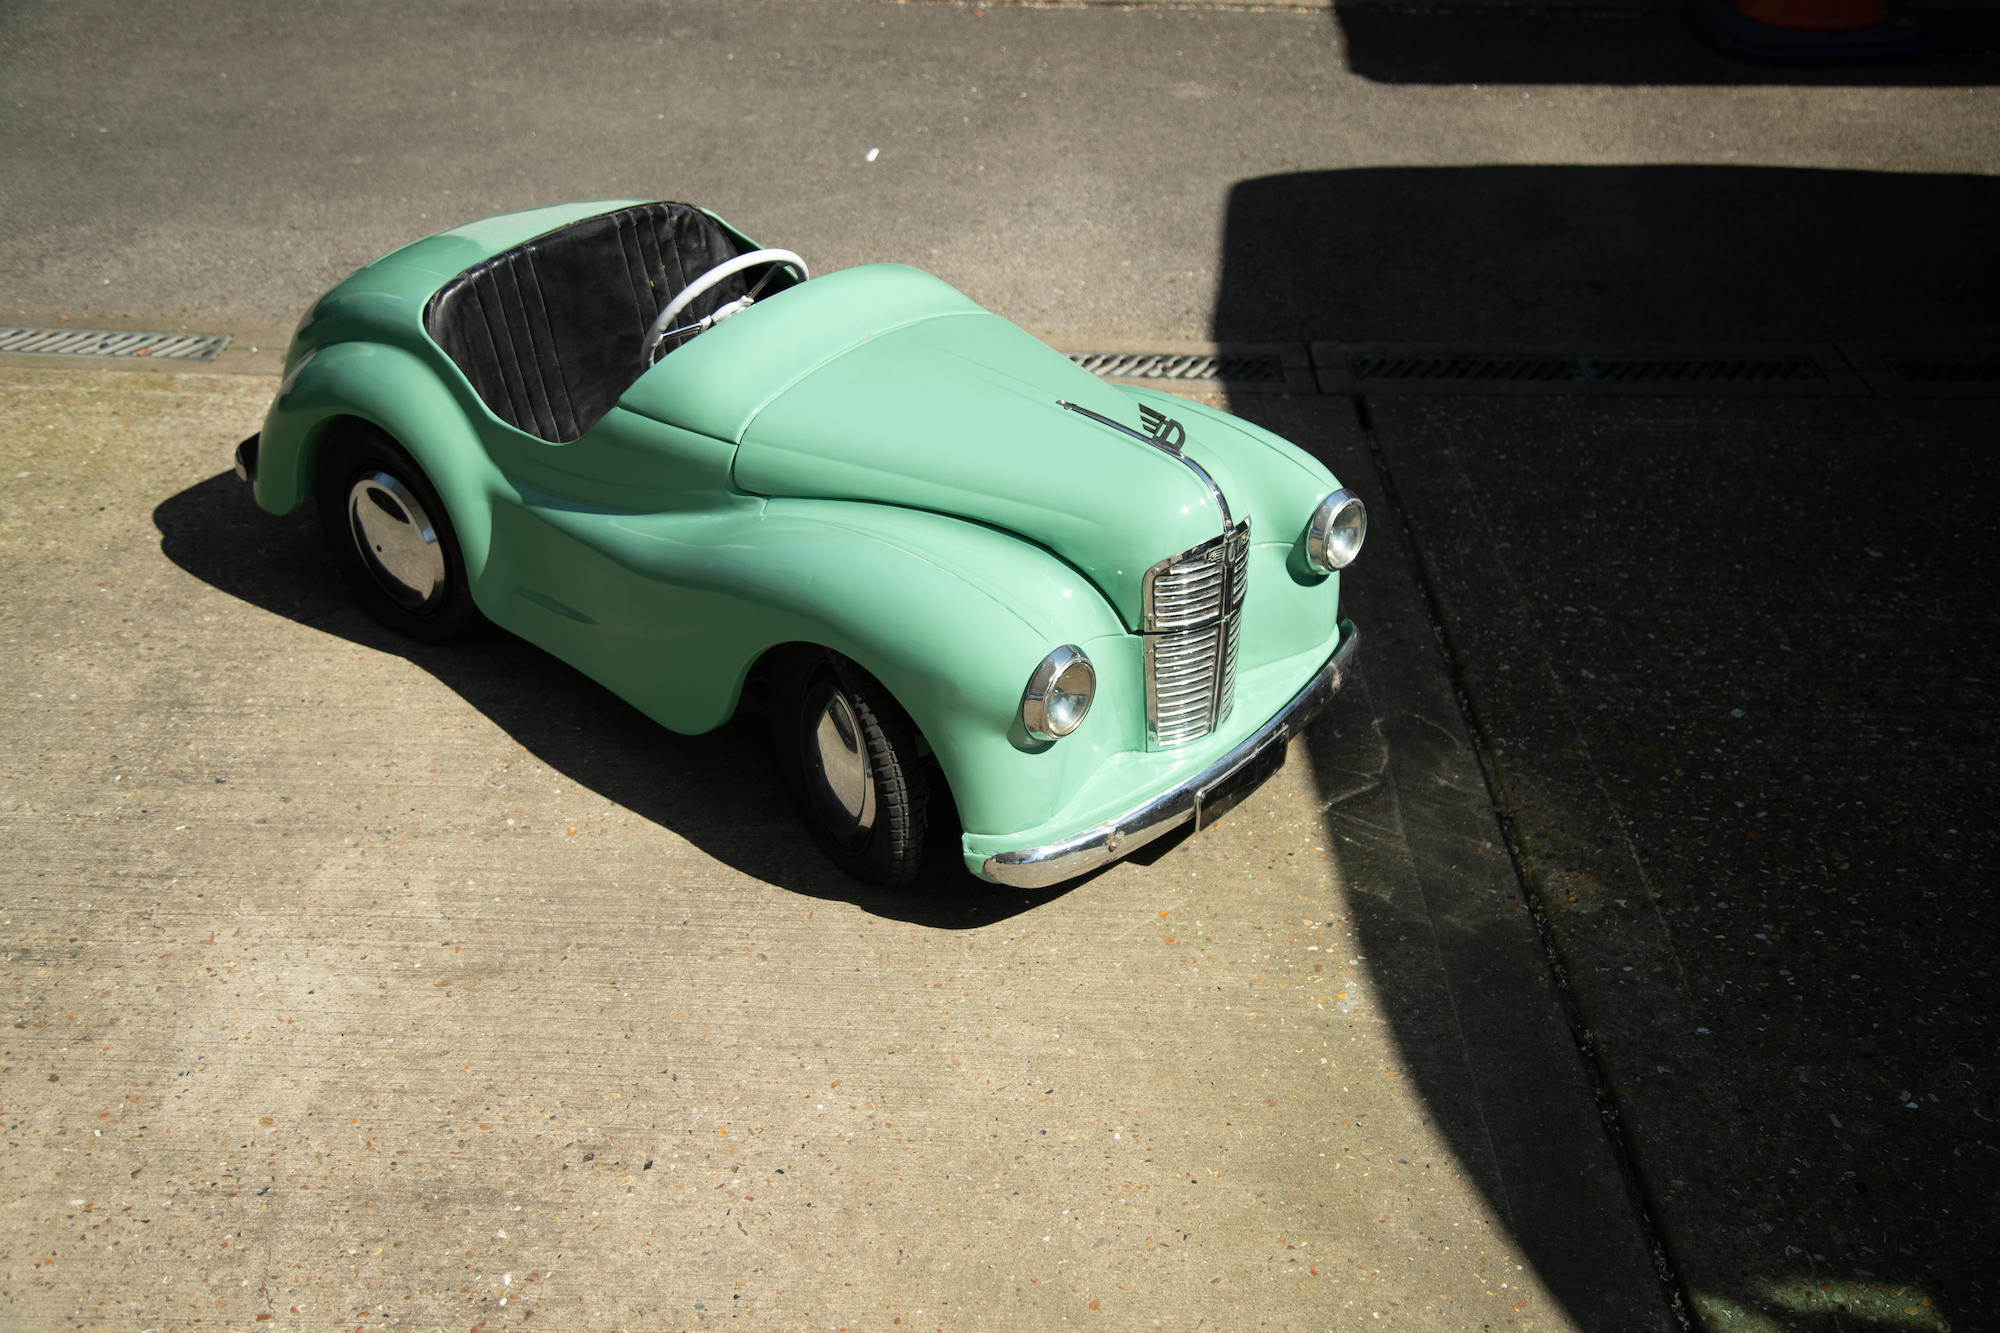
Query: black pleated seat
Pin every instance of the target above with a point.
(549, 332)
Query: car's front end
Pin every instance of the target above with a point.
(1190, 558)
(1196, 786)
(1239, 645)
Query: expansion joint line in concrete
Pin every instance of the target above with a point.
(1594, 1071)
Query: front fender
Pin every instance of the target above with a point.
(396, 391)
(952, 617)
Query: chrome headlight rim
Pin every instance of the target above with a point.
(1334, 535)
(1047, 709)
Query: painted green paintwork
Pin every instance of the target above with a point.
(883, 383)
(868, 461)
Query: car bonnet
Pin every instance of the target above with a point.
(884, 384)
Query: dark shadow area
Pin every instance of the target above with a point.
(1730, 661)
(1610, 255)
(720, 791)
(1493, 45)
(1454, 976)
(1746, 751)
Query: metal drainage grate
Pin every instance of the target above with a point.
(1588, 369)
(1701, 370)
(1947, 369)
(1247, 368)
(1465, 369)
(88, 342)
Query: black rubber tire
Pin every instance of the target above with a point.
(893, 852)
(351, 454)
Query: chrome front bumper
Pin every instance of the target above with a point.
(246, 458)
(1198, 798)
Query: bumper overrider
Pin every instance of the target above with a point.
(1203, 798)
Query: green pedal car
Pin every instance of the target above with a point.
(628, 434)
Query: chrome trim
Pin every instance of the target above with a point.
(658, 332)
(840, 778)
(1117, 425)
(1320, 527)
(396, 540)
(1221, 500)
(1035, 699)
(1191, 642)
(1174, 645)
(1039, 867)
(1215, 551)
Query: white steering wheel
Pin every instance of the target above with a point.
(663, 326)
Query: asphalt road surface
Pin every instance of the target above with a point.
(1623, 938)
(1092, 174)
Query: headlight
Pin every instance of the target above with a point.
(1334, 536)
(1058, 694)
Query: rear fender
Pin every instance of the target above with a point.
(398, 393)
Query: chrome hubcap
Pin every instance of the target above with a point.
(396, 540)
(838, 774)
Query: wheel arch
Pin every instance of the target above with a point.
(886, 589)
(357, 385)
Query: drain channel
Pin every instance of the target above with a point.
(1465, 369)
(1379, 369)
(1947, 369)
(89, 342)
(1245, 368)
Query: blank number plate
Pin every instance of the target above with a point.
(1219, 797)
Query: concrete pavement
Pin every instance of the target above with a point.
(351, 979)
(1744, 750)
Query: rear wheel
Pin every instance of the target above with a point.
(850, 754)
(392, 540)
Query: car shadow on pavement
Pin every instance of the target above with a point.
(1726, 664)
(720, 791)
(1496, 45)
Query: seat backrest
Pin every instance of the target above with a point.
(549, 332)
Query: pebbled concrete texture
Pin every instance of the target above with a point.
(354, 982)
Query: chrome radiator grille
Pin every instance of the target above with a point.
(1193, 607)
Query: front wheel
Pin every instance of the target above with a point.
(392, 540)
(849, 752)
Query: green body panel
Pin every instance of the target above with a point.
(962, 415)
(718, 383)
(868, 461)
(670, 611)
(404, 395)
(382, 305)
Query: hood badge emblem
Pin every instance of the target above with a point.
(1162, 429)
(1164, 434)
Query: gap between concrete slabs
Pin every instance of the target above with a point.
(1486, 1037)
(1738, 1097)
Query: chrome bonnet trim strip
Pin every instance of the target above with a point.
(1039, 867)
(1103, 420)
(1221, 500)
